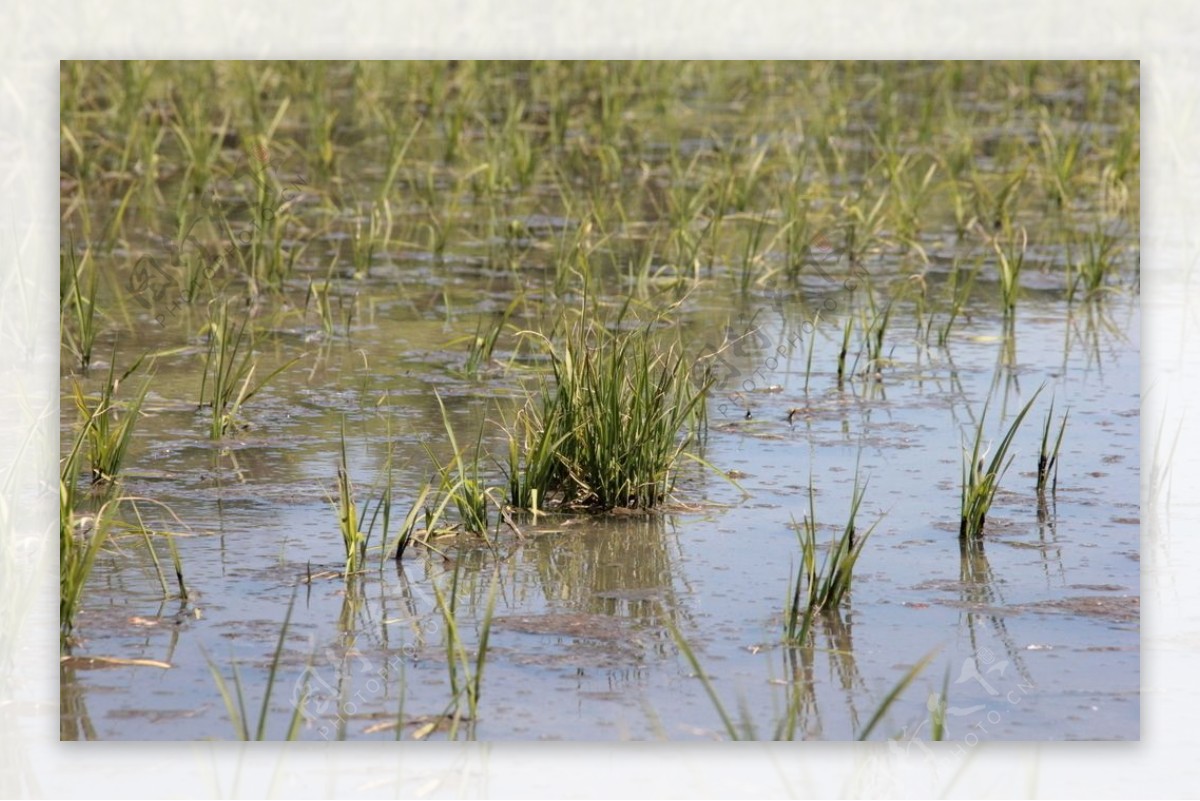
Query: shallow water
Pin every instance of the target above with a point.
(1035, 634)
(1038, 631)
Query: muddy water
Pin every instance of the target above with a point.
(1037, 631)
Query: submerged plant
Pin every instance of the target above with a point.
(981, 479)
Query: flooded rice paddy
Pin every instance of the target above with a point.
(622, 623)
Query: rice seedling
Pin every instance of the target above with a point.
(996, 207)
(812, 343)
(822, 589)
(862, 224)
(397, 151)
(109, 434)
(847, 329)
(79, 539)
(981, 479)
(357, 525)
(81, 300)
(786, 727)
(354, 540)
(442, 215)
(172, 548)
(80, 542)
(318, 294)
(754, 251)
(534, 468)
(1010, 259)
(1095, 264)
(744, 733)
(937, 725)
(874, 331)
(483, 343)
(1059, 160)
(1047, 469)
(234, 697)
(408, 529)
(960, 292)
(461, 479)
(200, 144)
(365, 243)
(227, 380)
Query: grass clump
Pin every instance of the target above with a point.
(609, 433)
(981, 479)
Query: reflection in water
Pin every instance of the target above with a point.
(621, 567)
(1048, 545)
(979, 595)
(1090, 325)
(803, 712)
(74, 721)
(593, 594)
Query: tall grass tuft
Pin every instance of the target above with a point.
(981, 479)
(620, 417)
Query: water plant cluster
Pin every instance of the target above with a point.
(208, 207)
